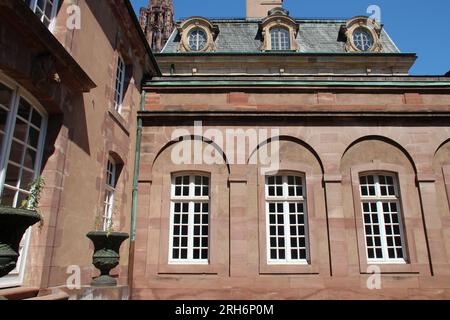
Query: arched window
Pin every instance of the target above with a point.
(286, 220)
(189, 219)
(22, 129)
(280, 39)
(22, 133)
(383, 227)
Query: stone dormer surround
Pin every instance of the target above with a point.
(278, 17)
(190, 24)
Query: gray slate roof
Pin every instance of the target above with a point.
(314, 36)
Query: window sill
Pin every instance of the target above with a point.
(188, 269)
(288, 269)
(117, 117)
(392, 268)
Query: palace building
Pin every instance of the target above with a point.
(264, 157)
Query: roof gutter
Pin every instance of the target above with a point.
(287, 53)
(134, 201)
(295, 83)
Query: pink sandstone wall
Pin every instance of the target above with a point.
(331, 151)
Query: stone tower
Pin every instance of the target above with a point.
(257, 9)
(157, 21)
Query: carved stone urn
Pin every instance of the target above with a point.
(13, 224)
(106, 255)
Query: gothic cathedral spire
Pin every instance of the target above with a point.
(157, 21)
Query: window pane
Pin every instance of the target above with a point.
(33, 138)
(24, 110)
(286, 229)
(190, 218)
(8, 196)
(20, 130)
(12, 175)
(30, 159)
(280, 39)
(44, 9)
(120, 78)
(5, 96)
(382, 225)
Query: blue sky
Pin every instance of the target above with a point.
(416, 26)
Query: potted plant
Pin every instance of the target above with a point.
(106, 254)
(13, 224)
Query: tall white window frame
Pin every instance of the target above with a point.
(190, 211)
(280, 39)
(382, 218)
(46, 11)
(110, 189)
(119, 84)
(287, 234)
(19, 138)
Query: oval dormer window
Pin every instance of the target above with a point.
(362, 39)
(197, 40)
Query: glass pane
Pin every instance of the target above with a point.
(5, 96)
(33, 138)
(36, 119)
(16, 152)
(362, 39)
(20, 130)
(26, 179)
(48, 9)
(30, 159)
(8, 196)
(12, 175)
(24, 110)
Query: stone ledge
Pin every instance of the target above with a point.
(94, 293)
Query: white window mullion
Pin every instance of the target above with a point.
(382, 230)
(287, 231)
(380, 214)
(10, 124)
(53, 15)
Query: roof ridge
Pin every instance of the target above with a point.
(299, 19)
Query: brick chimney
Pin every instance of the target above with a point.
(257, 9)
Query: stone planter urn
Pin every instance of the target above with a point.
(106, 255)
(13, 224)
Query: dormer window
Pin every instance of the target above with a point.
(279, 31)
(197, 35)
(361, 34)
(197, 40)
(279, 38)
(45, 10)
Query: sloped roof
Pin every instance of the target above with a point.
(241, 35)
